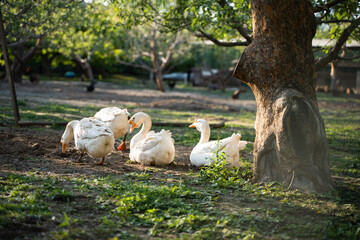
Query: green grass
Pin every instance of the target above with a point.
(207, 204)
(142, 205)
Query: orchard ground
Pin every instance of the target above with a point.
(45, 195)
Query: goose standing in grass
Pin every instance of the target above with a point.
(204, 152)
(148, 147)
(117, 119)
(91, 136)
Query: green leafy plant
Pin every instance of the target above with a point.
(220, 174)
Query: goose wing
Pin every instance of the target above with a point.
(92, 128)
(153, 139)
(214, 146)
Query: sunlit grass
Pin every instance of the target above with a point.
(155, 204)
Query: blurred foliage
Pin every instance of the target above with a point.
(116, 27)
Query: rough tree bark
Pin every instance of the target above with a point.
(290, 145)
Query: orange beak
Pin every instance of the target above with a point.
(193, 125)
(133, 126)
(64, 146)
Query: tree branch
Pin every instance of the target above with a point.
(240, 29)
(335, 21)
(22, 41)
(243, 33)
(327, 6)
(323, 61)
(147, 68)
(217, 42)
(170, 50)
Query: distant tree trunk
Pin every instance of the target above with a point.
(86, 67)
(333, 78)
(290, 145)
(22, 58)
(155, 62)
(5, 56)
(18, 67)
(159, 81)
(46, 62)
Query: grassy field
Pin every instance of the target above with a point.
(154, 203)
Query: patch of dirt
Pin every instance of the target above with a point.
(28, 150)
(105, 94)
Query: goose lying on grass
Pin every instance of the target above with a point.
(148, 147)
(117, 119)
(91, 136)
(204, 152)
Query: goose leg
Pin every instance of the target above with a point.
(101, 162)
(122, 147)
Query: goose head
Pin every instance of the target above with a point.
(200, 124)
(138, 119)
(68, 135)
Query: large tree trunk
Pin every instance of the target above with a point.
(290, 145)
(333, 78)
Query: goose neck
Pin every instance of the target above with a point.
(205, 135)
(146, 125)
(69, 132)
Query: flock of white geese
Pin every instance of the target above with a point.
(96, 137)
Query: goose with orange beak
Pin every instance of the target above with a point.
(204, 152)
(91, 136)
(148, 147)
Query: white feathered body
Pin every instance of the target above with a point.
(91, 136)
(116, 119)
(154, 149)
(148, 147)
(204, 152)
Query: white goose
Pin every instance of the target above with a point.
(204, 152)
(91, 136)
(117, 119)
(148, 147)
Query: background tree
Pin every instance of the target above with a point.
(152, 51)
(228, 23)
(151, 46)
(88, 31)
(27, 23)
